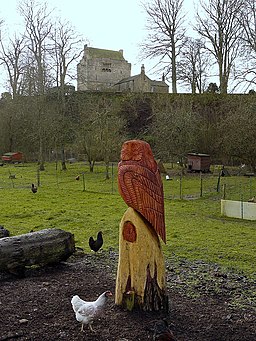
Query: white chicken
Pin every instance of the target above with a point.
(87, 311)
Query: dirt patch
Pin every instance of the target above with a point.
(205, 303)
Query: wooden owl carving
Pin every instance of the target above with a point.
(140, 183)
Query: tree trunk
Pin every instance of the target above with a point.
(107, 170)
(41, 158)
(174, 70)
(91, 166)
(47, 246)
(63, 159)
(140, 282)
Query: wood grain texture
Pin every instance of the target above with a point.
(43, 247)
(141, 266)
(140, 183)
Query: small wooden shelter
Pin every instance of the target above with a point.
(12, 157)
(199, 162)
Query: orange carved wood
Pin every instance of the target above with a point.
(140, 183)
(129, 232)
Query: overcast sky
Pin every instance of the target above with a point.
(107, 24)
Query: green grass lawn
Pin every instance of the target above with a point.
(195, 228)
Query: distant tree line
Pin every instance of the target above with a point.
(222, 38)
(94, 125)
(43, 117)
(212, 49)
(40, 58)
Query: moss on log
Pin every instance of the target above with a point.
(44, 247)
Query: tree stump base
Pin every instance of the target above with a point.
(140, 282)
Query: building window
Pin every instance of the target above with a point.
(106, 67)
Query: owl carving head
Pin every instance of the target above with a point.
(139, 151)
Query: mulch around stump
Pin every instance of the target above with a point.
(37, 307)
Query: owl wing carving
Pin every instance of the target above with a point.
(140, 184)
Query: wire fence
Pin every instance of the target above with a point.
(78, 177)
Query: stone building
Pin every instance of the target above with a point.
(99, 69)
(141, 83)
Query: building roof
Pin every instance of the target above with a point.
(11, 153)
(128, 79)
(101, 53)
(153, 82)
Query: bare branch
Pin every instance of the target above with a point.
(219, 25)
(12, 57)
(66, 49)
(38, 28)
(165, 23)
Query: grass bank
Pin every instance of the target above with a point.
(195, 228)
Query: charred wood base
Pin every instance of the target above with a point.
(154, 299)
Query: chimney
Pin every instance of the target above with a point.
(163, 78)
(122, 52)
(143, 70)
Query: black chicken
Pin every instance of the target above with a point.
(95, 245)
(4, 232)
(33, 188)
(162, 332)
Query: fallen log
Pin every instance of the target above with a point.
(43, 247)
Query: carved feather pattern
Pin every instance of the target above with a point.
(140, 183)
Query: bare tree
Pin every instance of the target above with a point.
(238, 132)
(246, 73)
(12, 58)
(165, 23)
(248, 20)
(220, 26)
(194, 64)
(66, 48)
(175, 131)
(98, 131)
(108, 127)
(38, 28)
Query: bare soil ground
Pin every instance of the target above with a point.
(206, 304)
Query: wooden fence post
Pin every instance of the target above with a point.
(224, 191)
(38, 176)
(201, 185)
(83, 182)
(181, 196)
